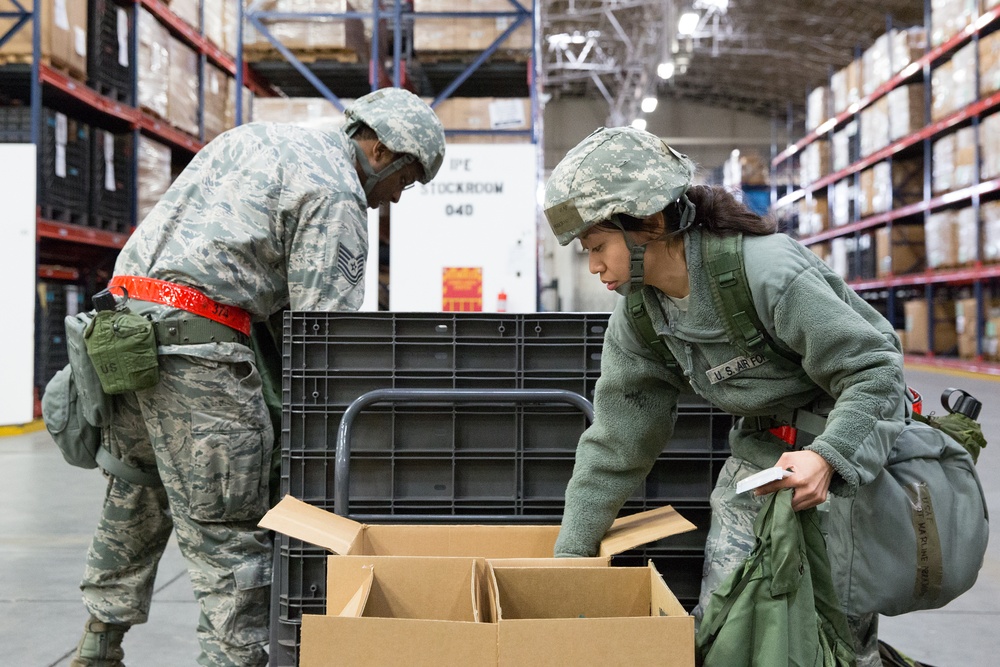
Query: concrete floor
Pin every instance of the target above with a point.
(48, 511)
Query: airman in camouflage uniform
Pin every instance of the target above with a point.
(627, 181)
(265, 216)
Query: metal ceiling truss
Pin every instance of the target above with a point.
(760, 56)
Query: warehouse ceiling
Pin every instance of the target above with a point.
(758, 56)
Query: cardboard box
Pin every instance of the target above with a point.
(63, 35)
(182, 87)
(945, 336)
(428, 593)
(465, 611)
(967, 326)
(941, 239)
(990, 212)
(349, 538)
(154, 64)
(589, 616)
(900, 250)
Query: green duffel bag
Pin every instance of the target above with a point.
(915, 537)
(62, 412)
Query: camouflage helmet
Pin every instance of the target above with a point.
(615, 170)
(404, 123)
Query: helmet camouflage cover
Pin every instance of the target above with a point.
(404, 123)
(614, 170)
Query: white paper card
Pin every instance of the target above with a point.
(61, 15)
(62, 135)
(507, 114)
(61, 160)
(765, 476)
(81, 40)
(109, 162)
(122, 37)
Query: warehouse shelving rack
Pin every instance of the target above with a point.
(980, 276)
(446, 77)
(74, 253)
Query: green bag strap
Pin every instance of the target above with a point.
(723, 255)
(118, 468)
(635, 309)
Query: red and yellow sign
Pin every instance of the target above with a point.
(462, 289)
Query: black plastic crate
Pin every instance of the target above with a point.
(109, 60)
(64, 168)
(445, 461)
(111, 160)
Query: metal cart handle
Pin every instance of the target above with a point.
(342, 473)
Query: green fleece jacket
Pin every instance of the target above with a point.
(852, 367)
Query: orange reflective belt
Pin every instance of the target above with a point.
(184, 298)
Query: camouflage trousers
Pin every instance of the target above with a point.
(731, 539)
(205, 429)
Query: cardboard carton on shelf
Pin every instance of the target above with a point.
(900, 250)
(917, 330)
(458, 623)
(967, 325)
(63, 36)
(990, 212)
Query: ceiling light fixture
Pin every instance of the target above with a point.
(648, 104)
(639, 124)
(665, 70)
(688, 23)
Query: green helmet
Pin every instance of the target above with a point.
(405, 124)
(616, 170)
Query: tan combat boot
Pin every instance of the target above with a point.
(100, 646)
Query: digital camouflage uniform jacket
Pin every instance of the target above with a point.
(266, 215)
(849, 352)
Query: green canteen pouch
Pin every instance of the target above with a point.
(122, 347)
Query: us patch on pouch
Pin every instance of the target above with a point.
(351, 265)
(734, 367)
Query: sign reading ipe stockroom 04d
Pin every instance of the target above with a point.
(480, 212)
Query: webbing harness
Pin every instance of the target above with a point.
(723, 256)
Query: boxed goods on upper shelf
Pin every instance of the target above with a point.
(949, 17)
(154, 64)
(467, 34)
(182, 87)
(63, 36)
(953, 83)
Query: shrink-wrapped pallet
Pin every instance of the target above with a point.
(817, 107)
(874, 121)
(154, 174)
(948, 17)
(314, 112)
(906, 110)
(188, 11)
(941, 237)
(216, 90)
(182, 101)
(154, 64)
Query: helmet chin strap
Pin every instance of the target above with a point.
(371, 177)
(637, 252)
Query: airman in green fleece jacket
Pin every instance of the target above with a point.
(628, 198)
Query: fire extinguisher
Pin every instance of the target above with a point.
(502, 302)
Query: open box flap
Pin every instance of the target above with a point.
(356, 605)
(310, 524)
(633, 531)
